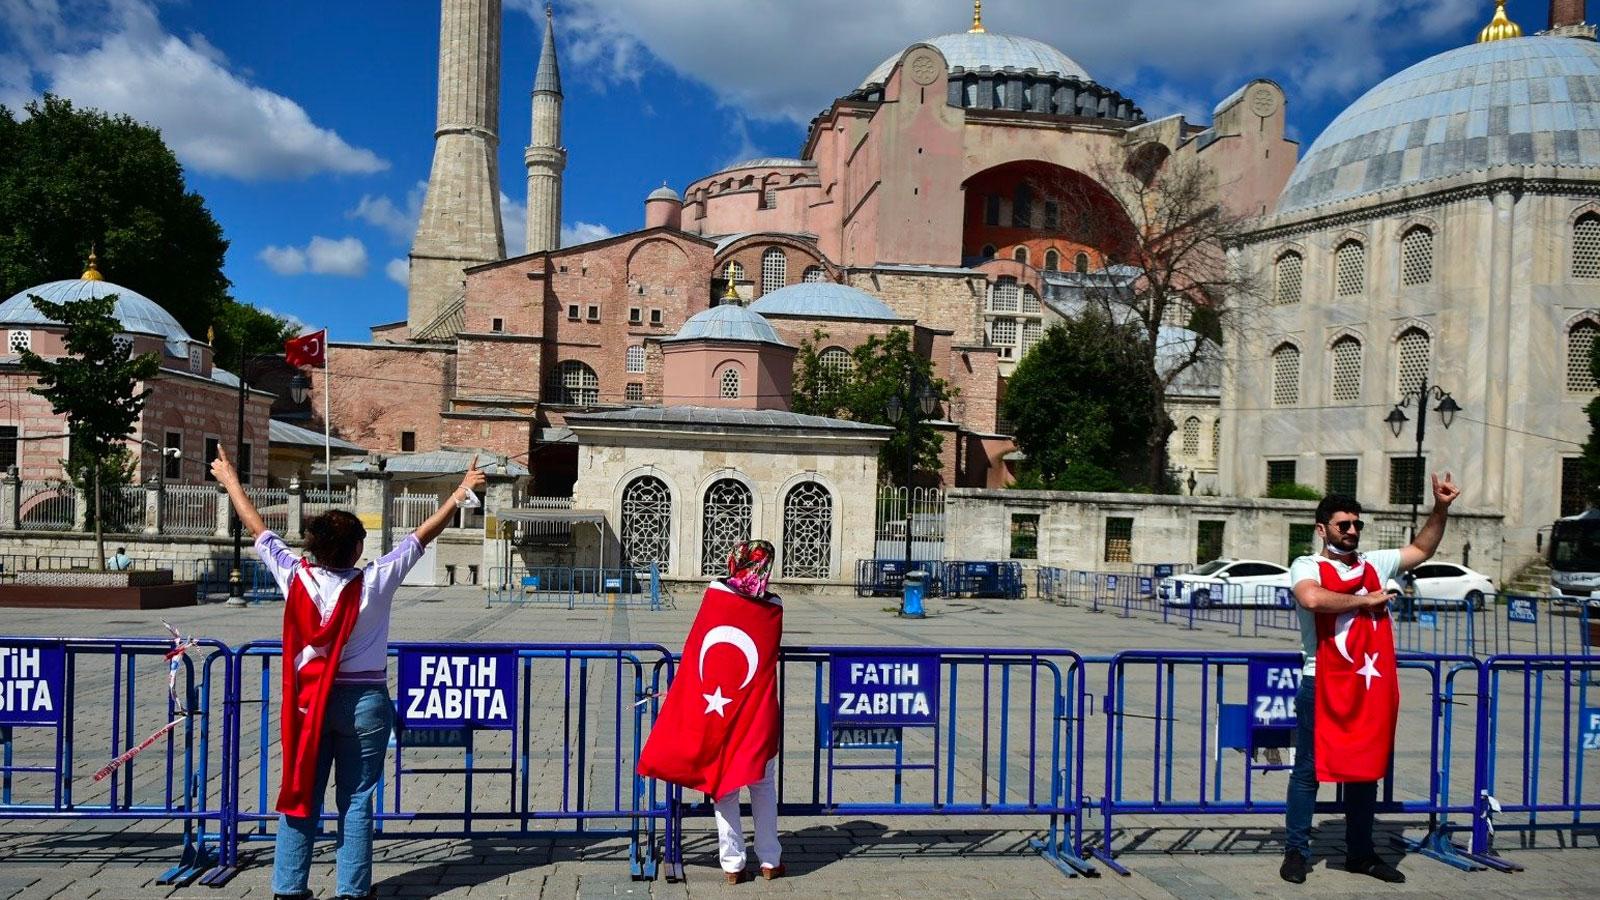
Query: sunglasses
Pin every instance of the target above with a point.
(1353, 525)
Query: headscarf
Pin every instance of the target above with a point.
(749, 568)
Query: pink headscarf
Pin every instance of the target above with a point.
(750, 568)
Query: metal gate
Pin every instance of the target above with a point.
(925, 515)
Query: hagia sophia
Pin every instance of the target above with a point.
(1444, 229)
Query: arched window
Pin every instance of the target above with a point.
(987, 252)
(1020, 255)
(1052, 261)
(1005, 295)
(1191, 436)
(1216, 439)
(1032, 333)
(774, 270)
(1580, 343)
(573, 383)
(734, 271)
(1346, 369)
(1586, 246)
(1286, 375)
(646, 522)
(812, 275)
(1413, 352)
(1022, 207)
(1350, 269)
(1286, 278)
(728, 383)
(1030, 300)
(836, 361)
(1080, 264)
(724, 521)
(1416, 256)
(807, 531)
(636, 358)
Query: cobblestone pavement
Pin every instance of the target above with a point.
(863, 855)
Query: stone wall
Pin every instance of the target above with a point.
(380, 391)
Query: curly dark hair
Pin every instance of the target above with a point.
(335, 538)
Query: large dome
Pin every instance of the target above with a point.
(1522, 101)
(137, 313)
(728, 322)
(998, 52)
(823, 299)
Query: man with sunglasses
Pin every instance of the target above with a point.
(1343, 608)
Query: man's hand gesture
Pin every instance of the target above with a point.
(1445, 491)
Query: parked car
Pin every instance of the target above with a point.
(1210, 584)
(1442, 581)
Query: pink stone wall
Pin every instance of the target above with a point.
(693, 372)
(379, 392)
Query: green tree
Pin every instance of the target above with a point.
(1589, 468)
(880, 368)
(76, 179)
(1083, 403)
(96, 385)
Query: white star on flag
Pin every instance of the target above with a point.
(1370, 671)
(715, 702)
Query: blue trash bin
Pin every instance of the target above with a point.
(911, 597)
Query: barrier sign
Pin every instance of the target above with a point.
(1283, 596)
(863, 738)
(1147, 586)
(1164, 570)
(1522, 609)
(439, 689)
(1591, 728)
(1111, 582)
(1427, 620)
(31, 685)
(417, 738)
(613, 584)
(884, 690)
(1272, 690)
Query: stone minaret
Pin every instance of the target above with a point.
(545, 157)
(460, 224)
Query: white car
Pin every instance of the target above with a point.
(1243, 582)
(1448, 581)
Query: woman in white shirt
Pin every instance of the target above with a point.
(357, 714)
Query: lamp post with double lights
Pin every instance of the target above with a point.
(1397, 419)
(920, 398)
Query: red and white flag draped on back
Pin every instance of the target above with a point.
(312, 644)
(1358, 693)
(720, 724)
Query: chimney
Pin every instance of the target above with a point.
(1567, 19)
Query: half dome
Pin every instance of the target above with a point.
(972, 51)
(824, 300)
(137, 313)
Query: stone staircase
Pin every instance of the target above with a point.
(1533, 578)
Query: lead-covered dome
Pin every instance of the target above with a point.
(972, 51)
(1521, 101)
(728, 322)
(137, 313)
(824, 300)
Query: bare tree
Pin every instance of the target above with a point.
(1163, 233)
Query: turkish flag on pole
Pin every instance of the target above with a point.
(1358, 691)
(720, 722)
(307, 349)
(312, 645)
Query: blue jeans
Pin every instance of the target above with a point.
(355, 736)
(1360, 798)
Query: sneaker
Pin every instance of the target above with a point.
(1294, 867)
(1375, 867)
(303, 895)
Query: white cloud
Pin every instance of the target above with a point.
(398, 220)
(514, 221)
(344, 257)
(399, 271)
(1317, 47)
(116, 56)
(583, 232)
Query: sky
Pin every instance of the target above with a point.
(308, 126)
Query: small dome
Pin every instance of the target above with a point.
(664, 193)
(823, 299)
(1512, 102)
(137, 313)
(998, 52)
(728, 322)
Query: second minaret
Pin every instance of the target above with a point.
(545, 157)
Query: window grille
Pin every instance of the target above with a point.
(1290, 269)
(1280, 471)
(837, 361)
(1032, 332)
(19, 341)
(812, 275)
(1580, 344)
(1030, 301)
(1286, 375)
(1119, 539)
(729, 383)
(807, 531)
(1586, 246)
(196, 360)
(1216, 439)
(1003, 332)
(1572, 501)
(1350, 269)
(1405, 479)
(774, 270)
(1339, 476)
(769, 199)
(1191, 437)
(1414, 350)
(636, 358)
(1346, 370)
(1416, 257)
(575, 384)
(725, 521)
(1052, 260)
(734, 271)
(634, 392)
(1005, 295)
(646, 522)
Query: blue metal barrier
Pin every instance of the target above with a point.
(886, 577)
(1002, 580)
(48, 770)
(1003, 737)
(587, 706)
(575, 587)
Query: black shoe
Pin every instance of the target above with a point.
(1294, 867)
(303, 895)
(1375, 867)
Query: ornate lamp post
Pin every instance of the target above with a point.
(1397, 419)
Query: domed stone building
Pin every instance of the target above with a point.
(1443, 231)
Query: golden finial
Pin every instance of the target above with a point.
(93, 272)
(211, 334)
(977, 17)
(731, 295)
(1499, 28)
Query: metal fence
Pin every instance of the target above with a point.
(320, 500)
(189, 509)
(407, 511)
(47, 505)
(926, 509)
(575, 586)
(273, 505)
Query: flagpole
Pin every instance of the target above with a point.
(327, 427)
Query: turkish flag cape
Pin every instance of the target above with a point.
(312, 645)
(1358, 693)
(307, 349)
(720, 723)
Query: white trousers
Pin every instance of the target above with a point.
(730, 831)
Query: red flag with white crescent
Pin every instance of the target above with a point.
(1358, 691)
(312, 644)
(720, 723)
(307, 349)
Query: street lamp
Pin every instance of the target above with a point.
(299, 386)
(1397, 419)
(920, 398)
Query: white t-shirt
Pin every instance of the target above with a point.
(367, 650)
(1385, 562)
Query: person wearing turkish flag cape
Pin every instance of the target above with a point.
(719, 726)
(1348, 702)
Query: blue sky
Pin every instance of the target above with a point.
(307, 126)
